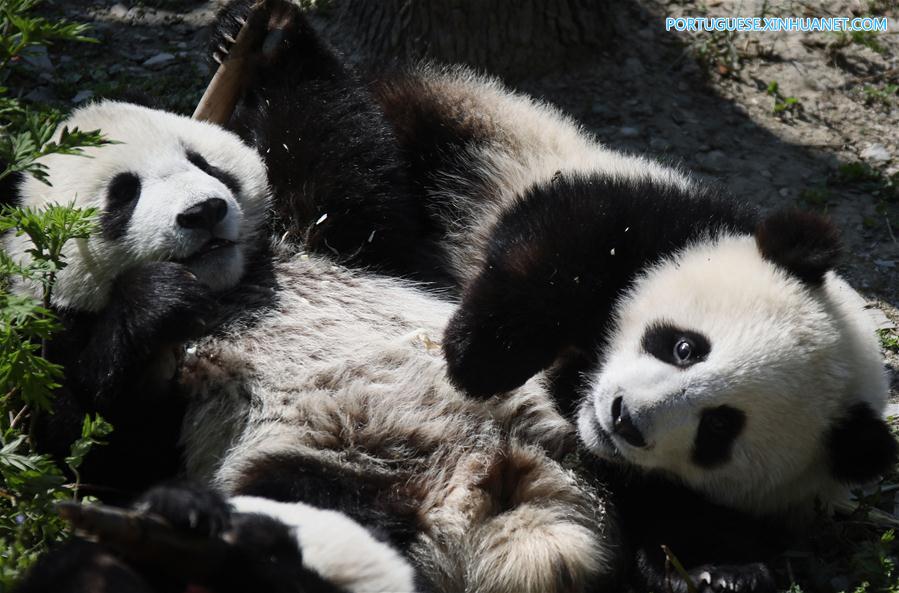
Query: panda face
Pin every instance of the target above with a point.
(727, 372)
(171, 189)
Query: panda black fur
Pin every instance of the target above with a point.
(292, 384)
(725, 377)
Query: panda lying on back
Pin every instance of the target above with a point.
(313, 398)
(725, 375)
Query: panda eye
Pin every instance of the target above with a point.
(124, 188)
(683, 350)
(675, 346)
(122, 197)
(230, 181)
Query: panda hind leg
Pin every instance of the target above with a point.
(547, 531)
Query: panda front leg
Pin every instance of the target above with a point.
(339, 179)
(120, 363)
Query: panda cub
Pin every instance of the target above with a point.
(313, 397)
(723, 378)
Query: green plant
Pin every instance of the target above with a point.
(32, 482)
(783, 105)
(717, 51)
(866, 38)
(815, 197)
(880, 96)
(869, 40)
(889, 340)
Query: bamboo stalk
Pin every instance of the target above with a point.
(220, 97)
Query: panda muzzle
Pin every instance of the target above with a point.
(623, 426)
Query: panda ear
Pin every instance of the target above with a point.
(861, 446)
(803, 243)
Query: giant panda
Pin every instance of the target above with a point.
(564, 258)
(306, 402)
(723, 378)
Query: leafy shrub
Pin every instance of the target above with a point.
(32, 482)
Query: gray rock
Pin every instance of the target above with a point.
(36, 57)
(629, 132)
(716, 159)
(118, 11)
(633, 65)
(659, 144)
(41, 94)
(82, 96)
(877, 153)
(159, 60)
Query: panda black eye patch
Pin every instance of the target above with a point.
(718, 430)
(679, 347)
(121, 197)
(230, 181)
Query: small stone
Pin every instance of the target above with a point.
(41, 94)
(118, 10)
(634, 65)
(659, 144)
(629, 132)
(36, 57)
(885, 263)
(891, 410)
(82, 96)
(784, 192)
(715, 160)
(158, 60)
(840, 583)
(877, 153)
(765, 173)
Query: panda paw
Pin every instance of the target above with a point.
(187, 508)
(742, 578)
(163, 302)
(269, 28)
(228, 24)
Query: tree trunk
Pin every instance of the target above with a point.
(507, 37)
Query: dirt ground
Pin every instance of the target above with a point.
(785, 119)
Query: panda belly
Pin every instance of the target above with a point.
(345, 377)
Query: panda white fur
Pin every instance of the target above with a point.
(567, 257)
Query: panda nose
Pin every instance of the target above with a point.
(204, 215)
(623, 426)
